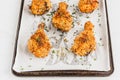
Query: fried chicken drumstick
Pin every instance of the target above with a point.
(39, 43)
(85, 42)
(39, 7)
(62, 18)
(87, 6)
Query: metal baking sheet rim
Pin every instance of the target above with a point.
(64, 72)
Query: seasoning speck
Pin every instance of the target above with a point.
(100, 39)
(94, 59)
(30, 58)
(29, 65)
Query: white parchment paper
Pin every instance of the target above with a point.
(60, 57)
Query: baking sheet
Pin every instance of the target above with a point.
(62, 59)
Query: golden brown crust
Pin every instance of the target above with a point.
(39, 7)
(39, 43)
(88, 6)
(62, 18)
(85, 42)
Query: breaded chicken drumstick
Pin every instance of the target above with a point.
(85, 42)
(62, 18)
(39, 43)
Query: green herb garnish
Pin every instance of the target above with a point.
(95, 59)
(80, 58)
(48, 14)
(87, 17)
(73, 13)
(53, 51)
(30, 58)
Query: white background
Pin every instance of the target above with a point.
(9, 11)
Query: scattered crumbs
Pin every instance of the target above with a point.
(99, 15)
(98, 20)
(53, 51)
(78, 23)
(73, 5)
(74, 9)
(73, 25)
(95, 59)
(31, 33)
(90, 64)
(75, 60)
(42, 68)
(48, 14)
(98, 9)
(99, 44)
(80, 58)
(43, 18)
(87, 17)
(61, 35)
(67, 63)
(80, 15)
(68, 0)
(22, 69)
(102, 45)
(58, 29)
(52, 13)
(47, 19)
(33, 28)
(34, 15)
(100, 39)
(30, 58)
(75, 33)
(29, 66)
(99, 24)
(84, 60)
(54, 32)
(66, 49)
(73, 13)
(58, 51)
(81, 25)
(46, 29)
(65, 40)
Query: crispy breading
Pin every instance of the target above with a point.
(39, 7)
(39, 43)
(88, 6)
(85, 42)
(62, 18)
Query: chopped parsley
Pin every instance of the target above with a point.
(73, 13)
(30, 58)
(43, 18)
(95, 59)
(87, 17)
(48, 14)
(80, 58)
(53, 51)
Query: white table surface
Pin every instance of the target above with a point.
(9, 11)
